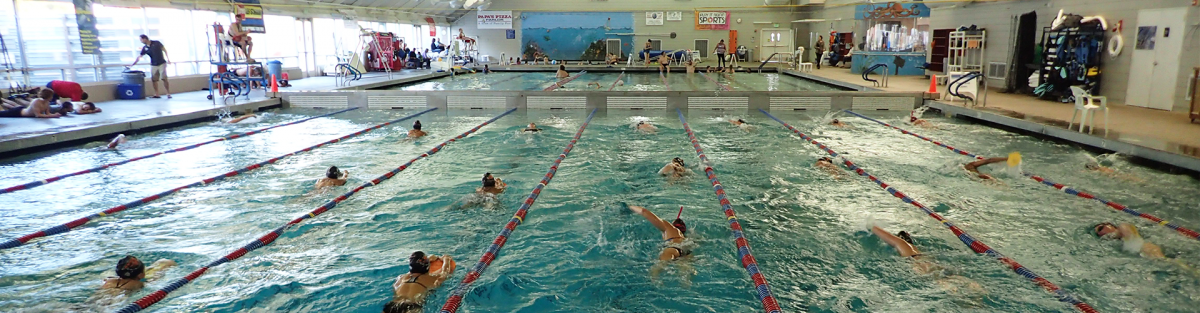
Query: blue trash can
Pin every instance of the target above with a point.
(130, 92)
(275, 69)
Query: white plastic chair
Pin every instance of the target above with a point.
(800, 64)
(696, 57)
(1084, 102)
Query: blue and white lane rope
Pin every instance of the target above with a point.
(770, 305)
(1068, 190)
(493, 250)
(970, 241)
(155, 297)
(13, 243)
(34, 184)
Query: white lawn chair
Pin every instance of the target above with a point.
(1084, 102)
(800, 64)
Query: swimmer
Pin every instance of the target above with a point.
(416, 132)
(923, 123)
(492, 185)
(973, 167)
(738, 122)
(708, 69)
(333, 177)
(131, 272)
(672, 233)
(562, 72)
(826, 164)
(621, 82)
(838, 123)
(1094, 166)
(594, 84)
(675, 169)
(243, 118)
(646, 127)
(532, 128)
(410, 289)
(903, 243)
(1129, 235)
(120, 139)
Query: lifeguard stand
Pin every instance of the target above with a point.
(222, 54)
(379, 51)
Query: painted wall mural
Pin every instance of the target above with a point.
(574, 36)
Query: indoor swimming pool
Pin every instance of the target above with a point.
(675, 81)
(579, 248)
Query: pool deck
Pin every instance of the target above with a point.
(1161, 136)
(22, 135)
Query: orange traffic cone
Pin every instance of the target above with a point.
(274, 87)
(933, 84)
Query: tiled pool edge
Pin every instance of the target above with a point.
(1160, 156)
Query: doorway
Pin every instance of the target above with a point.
(775, 40)
(1154, 72)
(702, 46)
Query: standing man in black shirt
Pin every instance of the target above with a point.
(158, 63)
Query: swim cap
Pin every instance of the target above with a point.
(1096, 229)
(488, 180)
(679, 224)
(904, 235)
(740, 120)
(678, 161)
(333, 173)
(835, 120)
(417, 125)
(418, 263)
(130, 267)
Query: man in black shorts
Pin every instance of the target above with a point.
(158, 63)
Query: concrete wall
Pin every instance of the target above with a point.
(492, 42)
(106, 90)
(996, 17)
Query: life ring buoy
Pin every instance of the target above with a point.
(1115, 45)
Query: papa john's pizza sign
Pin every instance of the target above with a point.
(712, 20)
(494, 19)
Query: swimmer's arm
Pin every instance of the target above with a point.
(973, 166)
(658, 222)
(446, 274)
(666, 170)
(157, 269)
(903, 247)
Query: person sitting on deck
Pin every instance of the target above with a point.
(416, 132)
(903, 243)
(411, 289)
(675, 169)
(492, 185)
(973, 167)
(612, 59)
(131, 272)
(437, 46)
(333, 177)
(664, 63)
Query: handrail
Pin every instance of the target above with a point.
(1068, 190)
(34, 184)
(79, 222)
(155, 297)
(872, 69)
(963, 80)
(770, 305)
(764, 62)
(456, 295)
(975, 245)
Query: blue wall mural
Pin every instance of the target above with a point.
(573, 36)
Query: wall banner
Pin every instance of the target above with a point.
(654, 18)
(89, 40)
(494, 19)
(675, 16)
(712, 20)
(254, 16)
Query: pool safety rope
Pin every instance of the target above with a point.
(1068, 190)
(564, 81)
(663, 78)
(723, 86)
(13, 243)
(456, 295)
(614, 84)
(743, 246)
(156, 296)
(975, 245)
(30, 185)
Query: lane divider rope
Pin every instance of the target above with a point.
(456, 295)
(723, 86)
(975, 245)
(1068, 190)
(157, 296)
(564, 81)
(770, 305)
(662, 78)
(614, 84)
(13, 243)
(34, 184)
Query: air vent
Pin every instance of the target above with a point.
(997, 70)
(553, 103)
(883, 103)
(319, 101)
(637, 103)
(801, 103)
(457, 102)
(718, 103)
(391, 102)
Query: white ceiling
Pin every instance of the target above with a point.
(434, 8)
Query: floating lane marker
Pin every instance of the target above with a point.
(34, 184)
(157, 296)
(770, 305)
(971, 242)
(1068, 190)
(662, 78)
(723, 86)
(493, 250)
(564, 81)
(614, 84)
(13, 243)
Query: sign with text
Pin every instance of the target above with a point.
(254, 16)
(675, 16)
(654, 18)
(89, 40)
(494, 19)
(712, 20)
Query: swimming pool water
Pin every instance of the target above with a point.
(579, 250)
(676, 81)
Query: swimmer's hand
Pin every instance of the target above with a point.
(636, 209)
